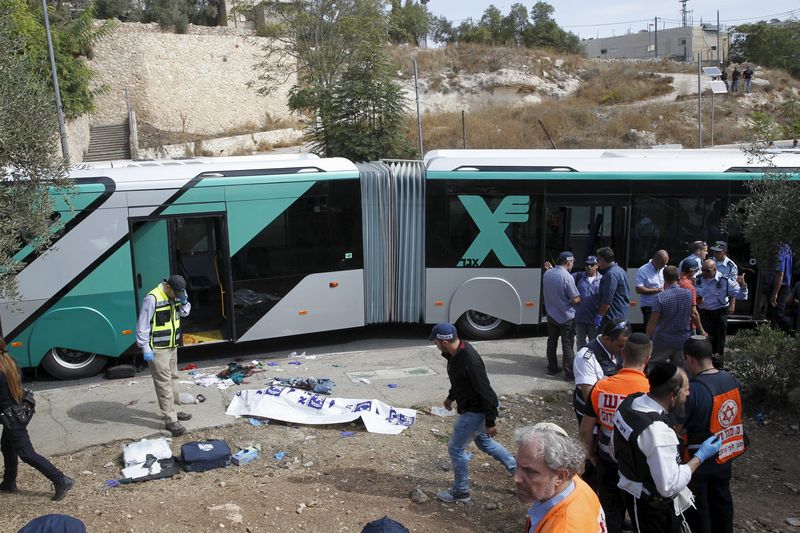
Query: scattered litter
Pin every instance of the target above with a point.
(279, 456)
(295, 363)
(345, 434)
(113, 483)
(257, 422)
(392, 385)
(760, 418)
(293, 354)
(242, 457)
(186, 399)
(225, 383)
(190, 366)
(272, 363)
(92, 386)
(336, 366)
(364, 380)
(441, 411)
(318, 385)
(132, 402)
(434, 430)
(186, 382)
(200, 398)
(132, 382)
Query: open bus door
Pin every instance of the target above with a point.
(582, 228)
(194, 247)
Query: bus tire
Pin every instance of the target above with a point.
(480, 326)
(62, 363)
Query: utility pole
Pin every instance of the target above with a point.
(718, 61)
(61, 129)
(656, 39)
(699, 107)
(419, 117)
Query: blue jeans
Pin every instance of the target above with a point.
(471, 427)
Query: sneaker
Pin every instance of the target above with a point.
(553, 372)
(62, 488)
(183, 417)
(450, 496)
(176, 428)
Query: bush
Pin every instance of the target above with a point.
(765, 362)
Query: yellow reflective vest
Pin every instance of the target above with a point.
(165, 328)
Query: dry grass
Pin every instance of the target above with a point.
(620, 83)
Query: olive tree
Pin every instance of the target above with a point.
(30, 168)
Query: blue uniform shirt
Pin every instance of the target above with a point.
(614, 292)
(715, 292)
(590, 297)
(694, 259)
(648, 277)
(784, 265)
(558, 288)
(727, 268)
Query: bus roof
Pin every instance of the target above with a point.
(609, 160)
(177, 170)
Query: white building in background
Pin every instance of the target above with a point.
(682, 44)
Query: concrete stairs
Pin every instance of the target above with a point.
(109, 143)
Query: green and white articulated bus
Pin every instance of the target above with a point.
(274, 246)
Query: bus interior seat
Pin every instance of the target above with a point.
(199, 270)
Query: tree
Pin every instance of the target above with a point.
(29, 163)
(327, 43)
(769, 45)
(515, 24)
(408, 23)
(545, 33)
(441, 30)
(72, 40)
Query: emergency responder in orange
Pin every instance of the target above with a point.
(714, 408)
(548, 464)
(604, 398)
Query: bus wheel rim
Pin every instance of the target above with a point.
(72, 359)
(482, 321)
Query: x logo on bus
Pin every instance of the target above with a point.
(727, 413)
(492, 226)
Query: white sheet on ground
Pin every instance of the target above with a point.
(304, 407)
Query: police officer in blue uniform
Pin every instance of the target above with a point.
(716, 297)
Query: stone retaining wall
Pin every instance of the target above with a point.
(200, 82)
(263, 141)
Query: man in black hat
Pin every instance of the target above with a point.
(646, 449)
(158, 334)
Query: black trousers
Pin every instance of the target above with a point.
(611, 496)
(713, 501)
(652, 515)
(777, 314)
(16, 444)
(716, 325)
(646, 312)
(567, 333)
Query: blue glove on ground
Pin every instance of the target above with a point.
(598, 320)
(148, 355)
(709, 448)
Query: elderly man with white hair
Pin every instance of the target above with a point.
(548, 464)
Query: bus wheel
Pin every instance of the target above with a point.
(477, 325)
(62, 363)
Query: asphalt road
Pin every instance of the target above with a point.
(76, 414)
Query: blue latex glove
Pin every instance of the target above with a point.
(148, 354)
(709, 448)
(598, 320)
(184, 300)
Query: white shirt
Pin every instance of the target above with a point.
(586, 368)
(650, 278)
(659, 444)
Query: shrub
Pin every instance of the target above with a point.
(765, 362)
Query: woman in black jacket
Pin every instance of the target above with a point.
(15, 443)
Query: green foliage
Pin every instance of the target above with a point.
(515, 29)
(28, 128)
(110, 9)
(769, 45)
(72, 41)
(765, 362)
(178, 14)
(337, 49)
(408, 23)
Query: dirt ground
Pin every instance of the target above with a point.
(329, 482)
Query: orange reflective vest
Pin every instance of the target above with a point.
(579, 512)
(725, 419)
(606, 396)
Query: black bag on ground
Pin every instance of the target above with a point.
(169, 467)
(199, 456)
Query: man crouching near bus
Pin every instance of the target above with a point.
(158, 334)
(548, 463)
(476, 402)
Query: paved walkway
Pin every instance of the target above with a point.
(87, 414)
